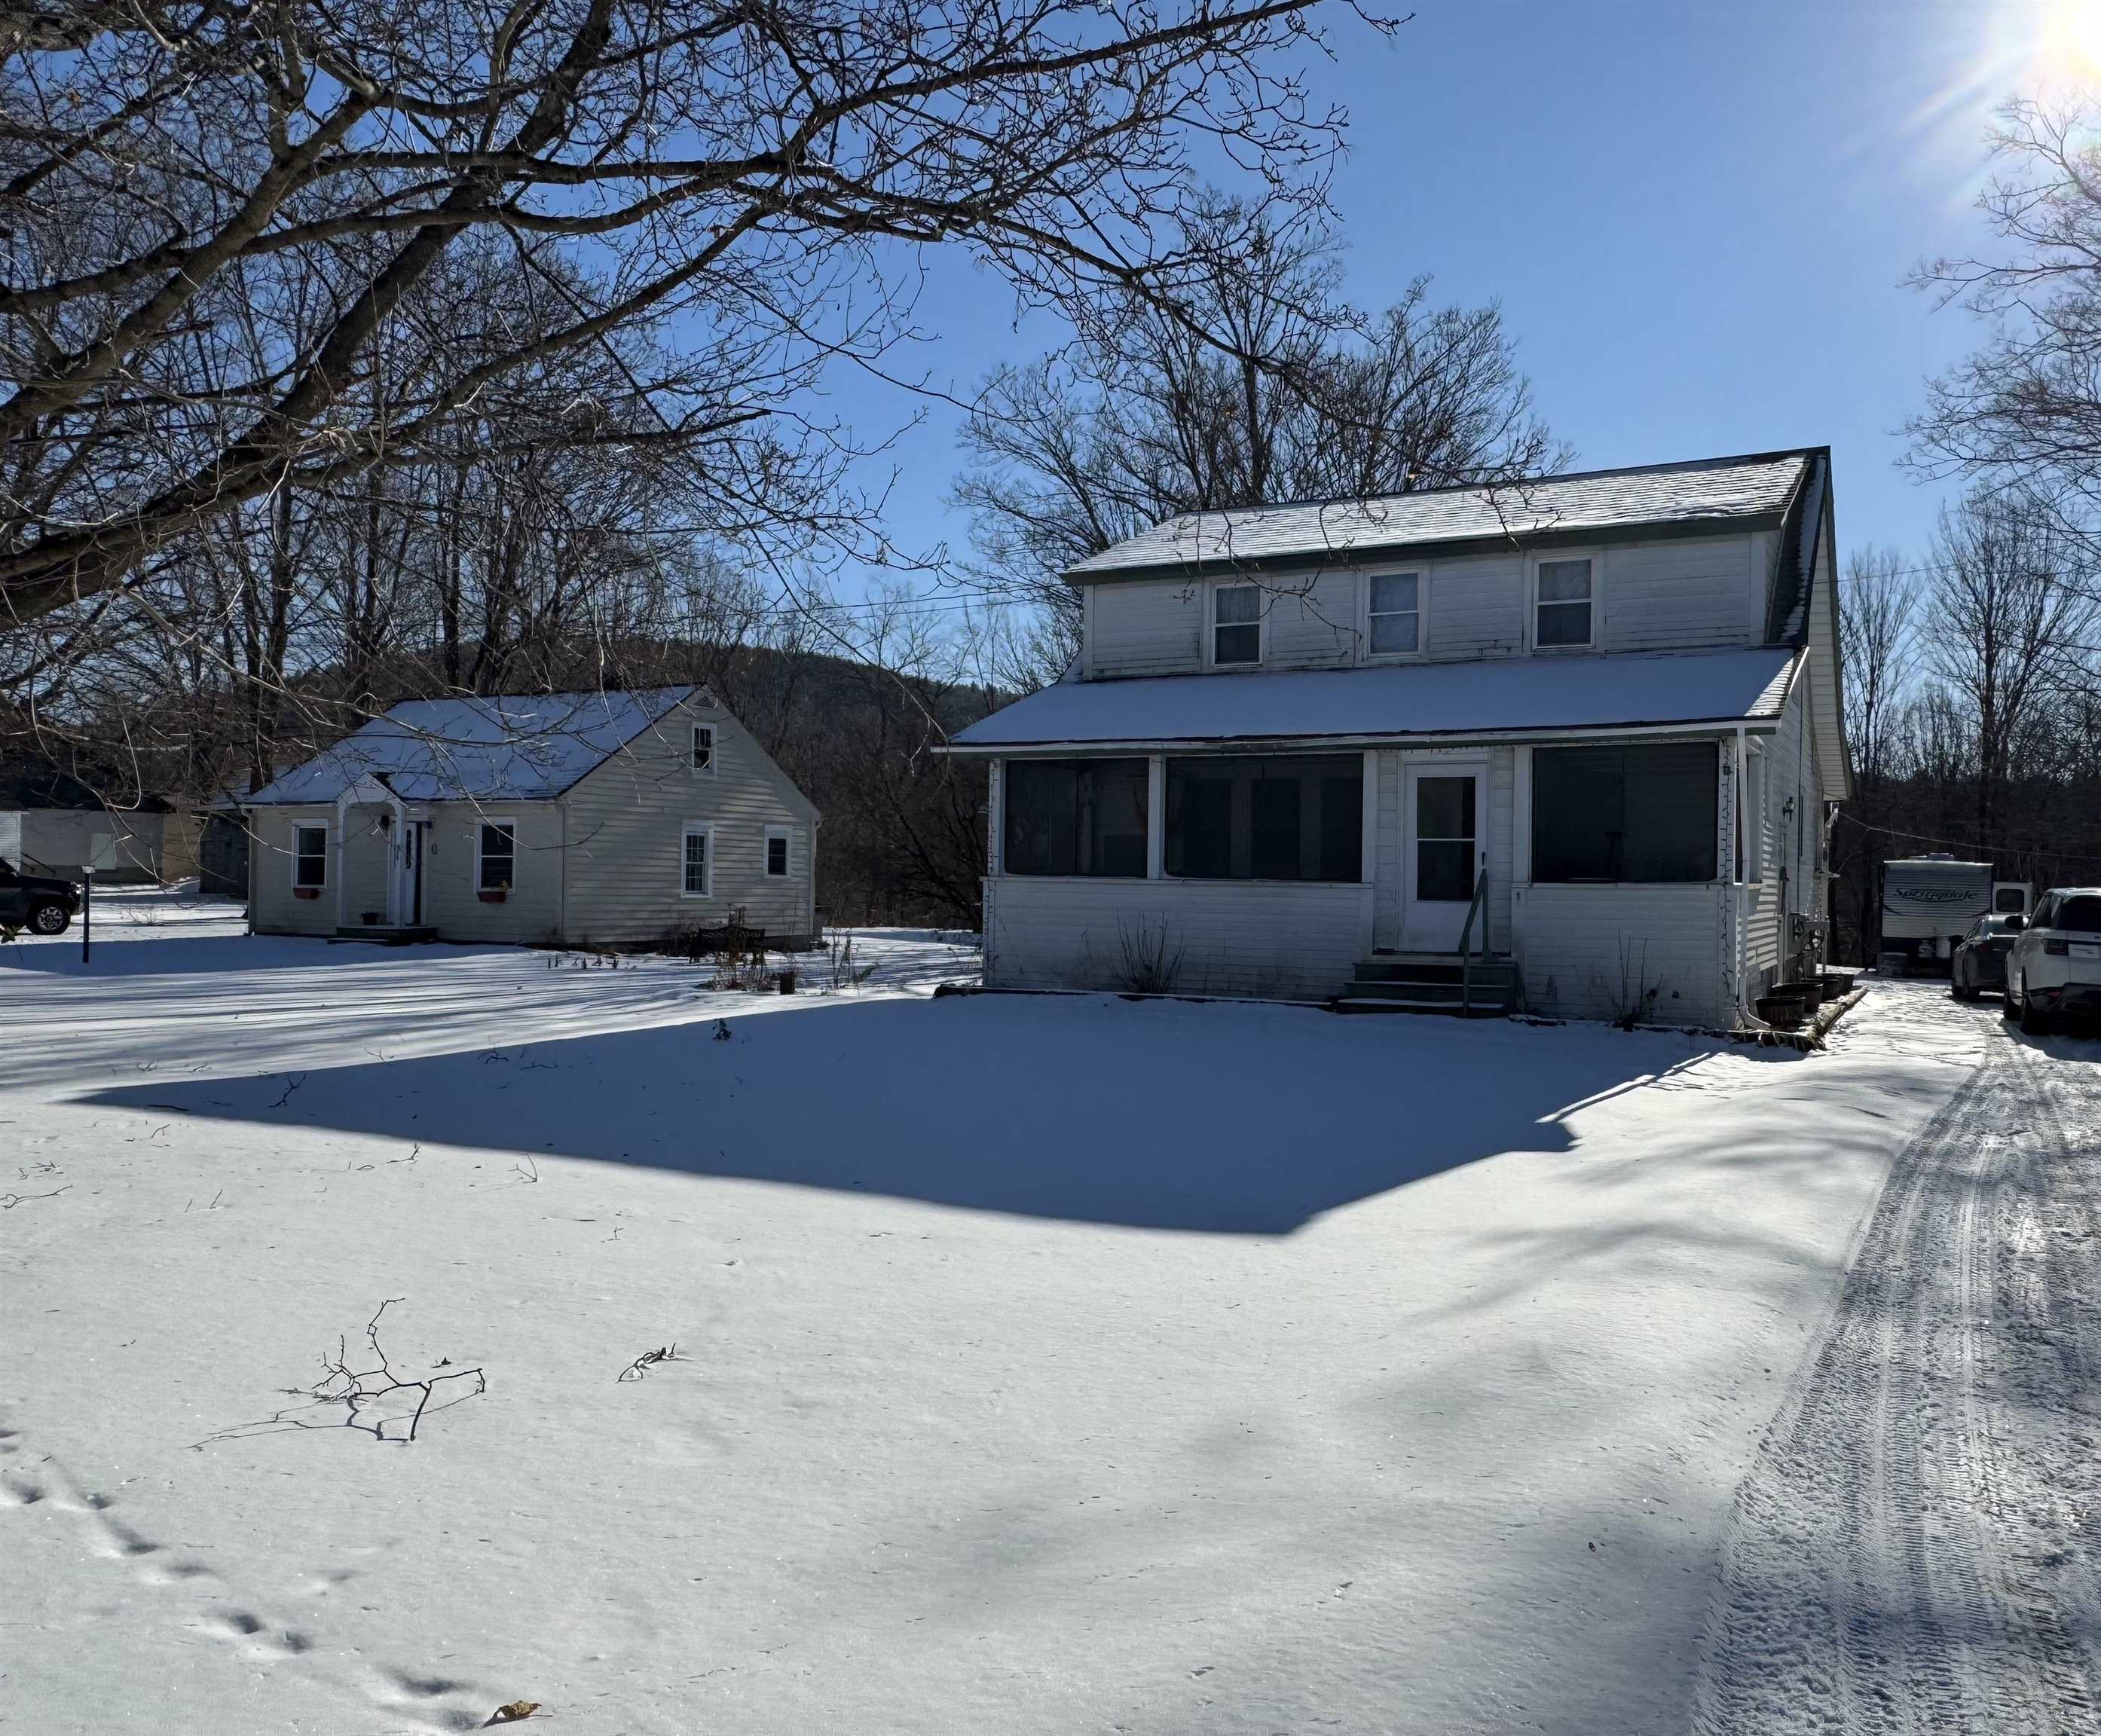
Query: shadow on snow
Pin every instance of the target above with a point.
(1229, 1119)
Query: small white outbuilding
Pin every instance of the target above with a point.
(564, 819)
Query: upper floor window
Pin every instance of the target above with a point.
(776, 852)
(1565, 603)
(1235, 625)
(1394, 613)
(704, 747)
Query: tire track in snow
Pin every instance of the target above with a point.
(1914, 1548)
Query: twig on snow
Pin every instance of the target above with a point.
(294, 1081)
(358, 1389)
(10, 1201)
(647, 1360)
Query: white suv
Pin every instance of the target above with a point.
(2054, 968)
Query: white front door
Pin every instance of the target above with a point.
(1444, 808)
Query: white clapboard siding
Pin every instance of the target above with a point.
(363, 861)
(1788, 844)
(627, 822)
(1477, 607)
(531, 911)
(1145, 627)
(1679, 595)
(1233, 937)
(1387, 879)
(1683, 594)
(272, 910)
(1313, 621)
(1586, 951)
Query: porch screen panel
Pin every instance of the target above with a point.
(1277, 817)
(1076, 816)
(1643, 814)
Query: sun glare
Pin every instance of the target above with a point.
(2068, 46)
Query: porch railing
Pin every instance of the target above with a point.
(1467, 942)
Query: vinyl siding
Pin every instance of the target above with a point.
(1477, 607)
(1576, 945)
(1264, 938)
(1689, 594)
(361, 865)
(1145, 627)
(531, 913)
(1314, 624)
(626, 824)
(1387, 880)
(1790, 885)
(272, 910)
(1678, 596)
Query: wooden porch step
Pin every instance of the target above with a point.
(381, 935)
(1480, 1009)
(1443, 968)
(1486, 986)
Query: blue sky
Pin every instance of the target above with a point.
(1696, 215)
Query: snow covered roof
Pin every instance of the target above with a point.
(1721, 491)
(1512, 695)
(523, 748)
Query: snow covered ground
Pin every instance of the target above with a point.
(1918, 1545)
(1044, 1363)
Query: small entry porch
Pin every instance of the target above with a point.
(381, 842)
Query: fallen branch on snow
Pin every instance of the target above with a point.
(647, 1360)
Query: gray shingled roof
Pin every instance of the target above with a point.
(528, 748)
(1720, 491)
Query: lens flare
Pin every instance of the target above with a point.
(2068, 46)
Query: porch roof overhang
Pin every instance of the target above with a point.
(1515, 698)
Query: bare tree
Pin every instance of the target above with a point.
(2004, 633)
(1265, 385)
(1878, 612)
(2023, 413)
(736, 167)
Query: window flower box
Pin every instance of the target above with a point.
(493, 894)
(306, 892)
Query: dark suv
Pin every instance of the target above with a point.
(32, 901)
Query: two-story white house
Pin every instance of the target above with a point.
(1589, 725)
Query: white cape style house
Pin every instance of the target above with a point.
(553, 818)
(1576, 739)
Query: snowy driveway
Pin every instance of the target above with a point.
(1044, 1365)
(1918, 1548)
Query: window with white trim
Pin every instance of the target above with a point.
(776, 852)
(496, 855)
(1235, 625)
(1563, 604)
(704, 748)
(696, 861)
(310, 856)
(1394, 613)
